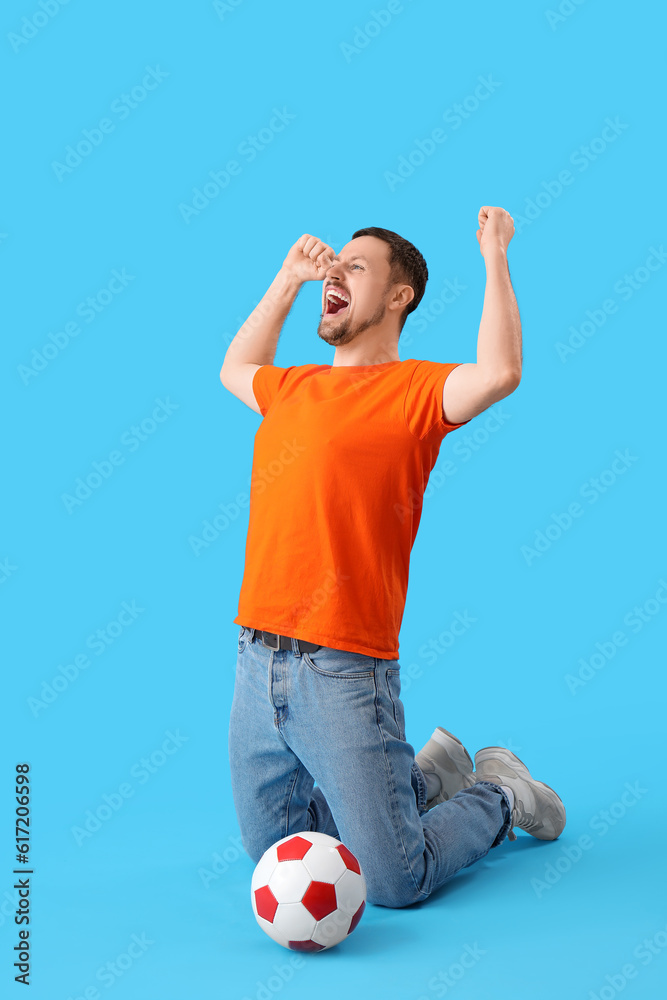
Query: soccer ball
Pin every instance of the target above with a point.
(308, 891)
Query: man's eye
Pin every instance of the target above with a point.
(359, 266)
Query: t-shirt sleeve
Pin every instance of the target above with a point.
(267, 382)
(422, 408)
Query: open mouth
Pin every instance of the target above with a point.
(336, 302)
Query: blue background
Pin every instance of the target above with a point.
(360, 101)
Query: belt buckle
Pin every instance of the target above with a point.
(268, 645)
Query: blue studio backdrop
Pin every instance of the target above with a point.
(160, 161)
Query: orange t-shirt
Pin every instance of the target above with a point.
(341, 461)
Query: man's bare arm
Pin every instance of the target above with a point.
(472, 388)
(255, 343)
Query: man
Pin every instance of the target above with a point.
(341, 461)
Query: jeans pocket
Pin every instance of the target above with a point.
(243, 637)
(330, 662)
(394, 689)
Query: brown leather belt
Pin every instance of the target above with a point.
(274, 641)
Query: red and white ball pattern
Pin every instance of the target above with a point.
(308, 891)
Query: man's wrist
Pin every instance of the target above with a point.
(495, 252)
(287, 283)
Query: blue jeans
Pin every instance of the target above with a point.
(336, 718)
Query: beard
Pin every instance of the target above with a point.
(348, 330)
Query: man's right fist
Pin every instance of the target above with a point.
(309, 259)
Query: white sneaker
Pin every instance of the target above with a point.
(445, 756)
(537, 808)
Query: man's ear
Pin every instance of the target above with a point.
(403, 295)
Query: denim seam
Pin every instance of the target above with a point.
(421, 784)
(422, 796)
(393, 705)
(289, 799)
(269, 678)
(392, 783)
(333, 674)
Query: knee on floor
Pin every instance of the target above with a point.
(394, 895)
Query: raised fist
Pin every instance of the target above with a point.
(309, 259)
(496, 228)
